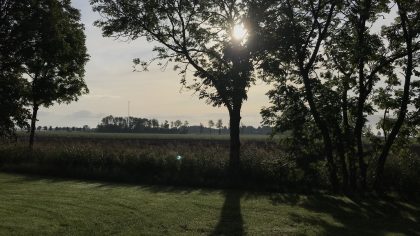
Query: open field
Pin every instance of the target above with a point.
(39, 206)
(202, 162)
(136, 139)
(142, 136)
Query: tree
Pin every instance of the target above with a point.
(55, 56)
(371, 63)
(201, 128)
(166, 125)
(219, 125)
(326, 62)
(184, 127)
(86, 128)
(193, 35)
(312, 28)
(211, 125)
(408, 23)
(155, 123)
(12, 86)
(177, 124)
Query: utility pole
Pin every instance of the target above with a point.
(128, 115)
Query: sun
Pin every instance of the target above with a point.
(239, 32)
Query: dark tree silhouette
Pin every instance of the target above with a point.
(194, 35)
(12, 86)
(55, 56)
(408, 23)
(219, 125)
(293, 32)
(327, 62)
(211, 125)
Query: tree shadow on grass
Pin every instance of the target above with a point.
(356, 216)
(230, 222)
(328, 215)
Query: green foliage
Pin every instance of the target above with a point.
(190, 34)
(12, 105)
(55, 54)
(12, 86)
(329, 69)
(42, 56)
(194, 36)
(402, 169)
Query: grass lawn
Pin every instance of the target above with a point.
(39, 206)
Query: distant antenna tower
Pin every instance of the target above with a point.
(128, 114)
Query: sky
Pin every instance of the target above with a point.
(152, 94)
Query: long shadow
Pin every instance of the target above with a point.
(357, 216)
(230, 222)
(367, 215)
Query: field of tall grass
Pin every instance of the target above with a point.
(184, 162)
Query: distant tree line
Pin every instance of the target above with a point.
(111, 124)
(115, 124)
(84, 128)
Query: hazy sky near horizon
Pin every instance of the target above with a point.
(153, 94)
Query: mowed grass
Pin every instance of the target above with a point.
(39, 206)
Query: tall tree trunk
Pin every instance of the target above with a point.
(360, 122)
(341, 153)
(349, 144)
(33, 125)
(328, 147)
(364, 12)
(235, 145)
(362, 163)
(404, 102)
(304, 70)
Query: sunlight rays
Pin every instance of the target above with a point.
(239, 32)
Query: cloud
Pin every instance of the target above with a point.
(101, 96)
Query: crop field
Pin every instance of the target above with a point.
(33, 205)
(181, 160)
(192, 160)
(143, 136)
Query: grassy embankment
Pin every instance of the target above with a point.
(38, 206)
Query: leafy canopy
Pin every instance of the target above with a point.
(56, 54)
(12, 86)
(193, 36)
